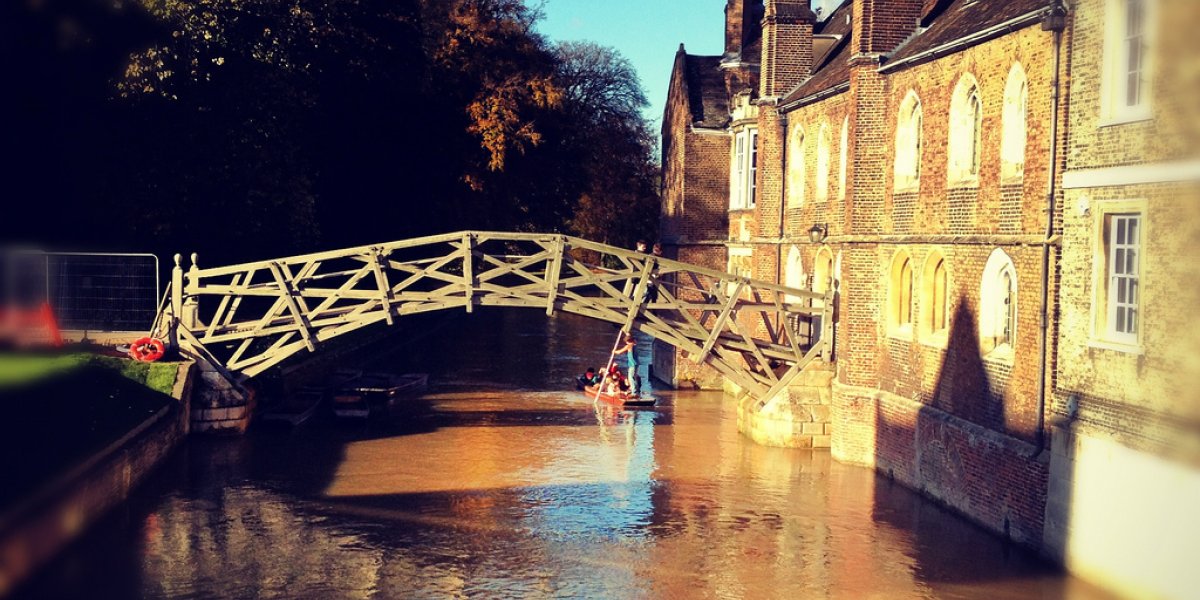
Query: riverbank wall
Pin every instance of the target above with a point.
(36, 528)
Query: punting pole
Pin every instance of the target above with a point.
(611, 356)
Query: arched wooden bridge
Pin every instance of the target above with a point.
(244, 319)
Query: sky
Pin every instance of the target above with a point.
(647, 32)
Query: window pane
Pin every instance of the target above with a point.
(1120, 325)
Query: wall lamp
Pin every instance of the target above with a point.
(818, 232)
(1056, 18)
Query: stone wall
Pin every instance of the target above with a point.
(33, 532)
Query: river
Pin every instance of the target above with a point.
(498, 483)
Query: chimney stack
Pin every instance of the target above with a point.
(787, 50)
(880, 26)
(741, 25)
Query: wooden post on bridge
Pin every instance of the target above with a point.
(176, 302)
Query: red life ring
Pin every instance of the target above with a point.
(147, 350)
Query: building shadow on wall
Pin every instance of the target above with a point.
(988, 490)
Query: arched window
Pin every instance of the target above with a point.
(1012, 145)
(998, 304)
(797, 157)
(966, 130)
(844, 149)
(824, 148)
(900, 290)
(794, 272)
(935, 289)
(907, 164)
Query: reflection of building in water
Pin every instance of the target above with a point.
(248, 542)
(1011, 188)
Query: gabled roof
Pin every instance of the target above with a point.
(944, 22)
(952, 20)
(830, 66)
(708, 100)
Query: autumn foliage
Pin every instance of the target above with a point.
(252, 128)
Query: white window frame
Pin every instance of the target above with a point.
(1015, 133)
(999, 306)
(1107, 301)
(743, 184)
(1115, 108)
(906, 165)
(1123, 275)
(737, 175)
(824, 161)
(964, 151)
(752, 170)
(797, 159)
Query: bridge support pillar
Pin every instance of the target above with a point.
(796, 417)
(219, 405)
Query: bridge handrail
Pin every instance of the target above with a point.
(484, 236)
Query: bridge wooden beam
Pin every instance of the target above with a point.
(719, 326)
(468, 269)
(639, 294)
(553, 272)
(285, 288)
(385, 288)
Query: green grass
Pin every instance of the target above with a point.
(18, 369)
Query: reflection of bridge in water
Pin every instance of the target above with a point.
(244, 319)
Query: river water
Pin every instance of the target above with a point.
(497, 483)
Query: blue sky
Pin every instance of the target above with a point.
(647, 32)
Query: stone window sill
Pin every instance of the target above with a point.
(964, 183)
(937, 339)
(1129, 118)
(1012, 180)
(906, 188)
(1121, 347)
(902, 333)
(1002, 353)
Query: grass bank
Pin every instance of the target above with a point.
(56, 411)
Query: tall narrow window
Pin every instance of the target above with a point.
(738, 178)
(966, 128)
(1134, 44)
(900, 290)
(1124, 256)
(1014, 136)
(797, 157)
(1128, 58)
(935, 289)
(1007, 317)
(824, 144)
(752, 175)
(937, 308)
(743, 185)
(844, 150)
(907, 163)
(998, 306)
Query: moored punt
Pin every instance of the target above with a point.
(374, 392)
(296, 409)
(621, 399)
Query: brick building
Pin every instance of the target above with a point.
(978, 176)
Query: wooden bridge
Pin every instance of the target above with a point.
(244, 319)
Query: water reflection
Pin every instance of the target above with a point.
(494, 485)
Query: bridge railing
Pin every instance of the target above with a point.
(247, 318)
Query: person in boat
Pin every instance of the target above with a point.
(615, 382)
(629, 349)
(589, 377)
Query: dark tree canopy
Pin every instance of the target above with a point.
(253, 128)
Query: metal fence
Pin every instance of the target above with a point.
(87, 292)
